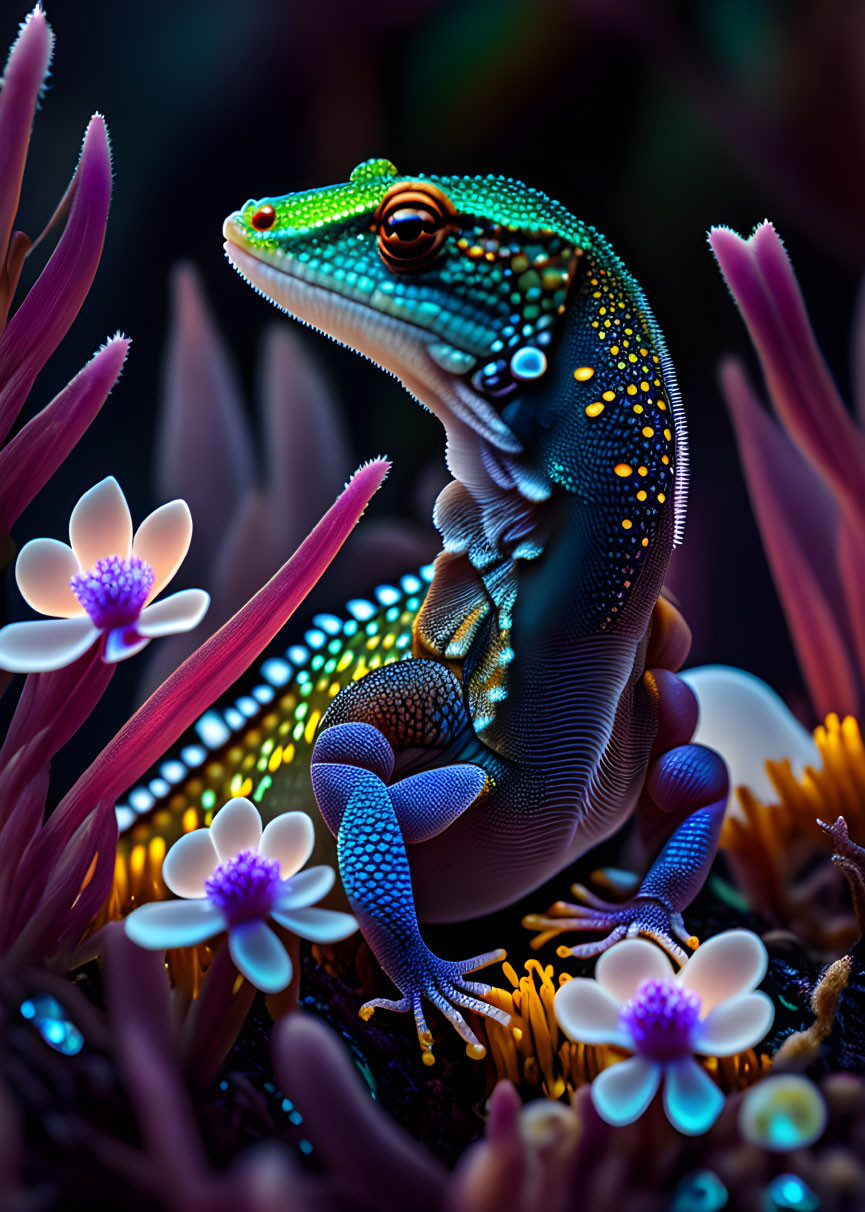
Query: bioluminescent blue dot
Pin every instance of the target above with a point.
(788, 1191)
(701, 1191)
(528, 363)
(52, 1022)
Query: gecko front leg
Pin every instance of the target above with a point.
(373, 819)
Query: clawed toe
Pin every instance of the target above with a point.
(640, 918)
(443, 985)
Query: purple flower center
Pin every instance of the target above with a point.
(114, 592)
(660, 1018)
(244, 887)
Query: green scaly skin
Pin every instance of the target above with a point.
(527, 727)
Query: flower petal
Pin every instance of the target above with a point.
(623, 1092)
(317, 925)
(260, 956)
(162, 540)
(189, 862)
(728, 964)
(305, 888)
(45, 644)
(43, 571)
(289, 839)
(101, 524)
(165, 924)
(589, 1014)
(625, 967)
(734, 1025)
(691, 1099)
(122, 643)
(747, 722)
(236, 827)
(179, 612)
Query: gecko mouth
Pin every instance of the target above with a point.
(393, 343)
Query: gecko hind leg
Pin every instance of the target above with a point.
(371, 820)
(689, 782)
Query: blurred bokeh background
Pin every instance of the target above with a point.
(650, 119)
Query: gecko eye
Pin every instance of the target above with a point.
(264, 217)
(413, 223)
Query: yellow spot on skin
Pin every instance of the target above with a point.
(644, 386)
(662, 405)
(667, 434)
(648, 432)
(642, 471)
(614, 350)
(595, 410)
(661, 497)
(665, 459)
(638, 408)
(627, 523)
(642, 494)
(608, 395)
(583, 373)
(623, 469)
(631, 389)
(645, 542)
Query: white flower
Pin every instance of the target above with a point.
(102, 586)
(234, 876)
(637, 1002)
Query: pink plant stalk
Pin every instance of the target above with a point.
(805, 469)
(67, 865)
(44, 316)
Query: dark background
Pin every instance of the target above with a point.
(651, 120)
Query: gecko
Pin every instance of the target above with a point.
(539, 706)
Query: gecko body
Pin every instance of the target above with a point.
(540, 704)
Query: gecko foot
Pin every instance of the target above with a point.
(640, 917)
(443, 983)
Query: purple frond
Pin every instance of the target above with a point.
(351, 1135)
(34, 454)
(53, 302)
(305, 443)
(140, 1011)
(798, 520)
(203, 450)
(803, 392)
(25, 73)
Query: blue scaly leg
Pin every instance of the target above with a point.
(372, 823)
(692, 776)
(685, 796)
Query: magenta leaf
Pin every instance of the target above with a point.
(352, 1136)
(42, 320)
(25, 72)
(203, 450)
(35, 453)
(798, 520)
(803, 392)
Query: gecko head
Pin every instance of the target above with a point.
(457, 285)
